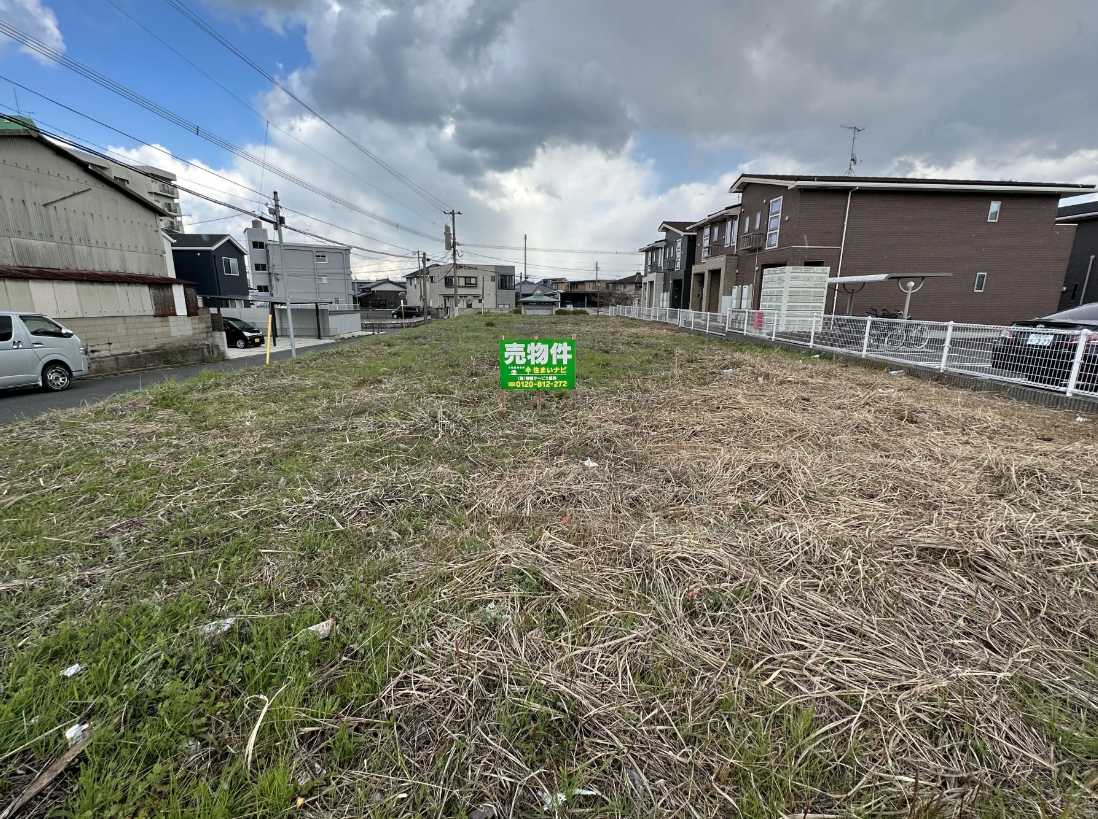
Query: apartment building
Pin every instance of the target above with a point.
(477, 288)
(154, 184)
(303, 273)
(999, 241)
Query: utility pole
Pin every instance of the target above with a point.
(524, 258)
(598, 295)
(276, 212)
(454, 214)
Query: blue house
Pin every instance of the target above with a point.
(216, 263)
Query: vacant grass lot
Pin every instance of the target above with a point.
(791, 586)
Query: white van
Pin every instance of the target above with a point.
(37, 350)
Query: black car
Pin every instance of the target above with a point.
(408, 311)
(1043, 349)
(240, 334)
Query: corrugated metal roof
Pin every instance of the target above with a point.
(14, 131)
(51, 274)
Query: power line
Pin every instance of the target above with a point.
(106, 82)
(187, 162)
(262, 117)
(198, 21)
(93, 152)
(556, 250)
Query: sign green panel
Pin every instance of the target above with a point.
(537, 365)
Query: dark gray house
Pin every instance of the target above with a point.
(666, 262)
(214, 262)
(1081, 281)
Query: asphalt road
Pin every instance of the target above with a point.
(26, 403)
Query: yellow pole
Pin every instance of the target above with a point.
(269, 318)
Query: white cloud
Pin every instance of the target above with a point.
(35, 19)
(529, 123)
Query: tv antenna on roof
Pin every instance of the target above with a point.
(853, 156)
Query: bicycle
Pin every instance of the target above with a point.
(897, 336)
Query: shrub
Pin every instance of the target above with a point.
(517, 311)
(572, 313)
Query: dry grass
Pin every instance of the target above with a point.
(797, 588)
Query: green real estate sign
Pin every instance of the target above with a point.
(537, 365)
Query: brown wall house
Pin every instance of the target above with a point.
(912, 226)
(715, 266)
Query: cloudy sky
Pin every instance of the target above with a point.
(582, 123)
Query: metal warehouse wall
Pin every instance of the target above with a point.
(98, 228)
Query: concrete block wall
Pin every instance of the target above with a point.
(134, 342)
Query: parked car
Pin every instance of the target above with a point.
(36, 350)
(1043, 349)
(241, 334)
(408, 311)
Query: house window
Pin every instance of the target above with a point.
(322, 279)
(258, 245)
(758, 219)
(506, 281)
(705, 243)
(993, 212)
(230, 267)
(1074, 294)
(678, 248)
(259, 267)
(774, 224)
(728, 233)
(264, 288)
(467, 281)
(321, 258)
(981, 280)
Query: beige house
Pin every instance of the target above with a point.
(479, 288)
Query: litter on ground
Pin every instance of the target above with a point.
(217, 627)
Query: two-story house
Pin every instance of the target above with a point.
(1081, 281)
(476, 289)
(715, 285)
(666, 283)
(999, 241)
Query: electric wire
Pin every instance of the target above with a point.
(153, 107)
(433, 200)
(86, 149)
(262, 117)
(187, 162)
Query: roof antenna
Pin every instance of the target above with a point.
(853, 156)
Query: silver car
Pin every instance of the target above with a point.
(36, 350)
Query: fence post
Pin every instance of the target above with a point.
(865, 339)
(774, 329)
(1077, 364)
(812, 332)
(728, 321)
(707, 323)
(945, 348)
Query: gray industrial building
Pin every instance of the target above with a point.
(80, 246)
(304, 273)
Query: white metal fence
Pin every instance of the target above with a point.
(1065, 361)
